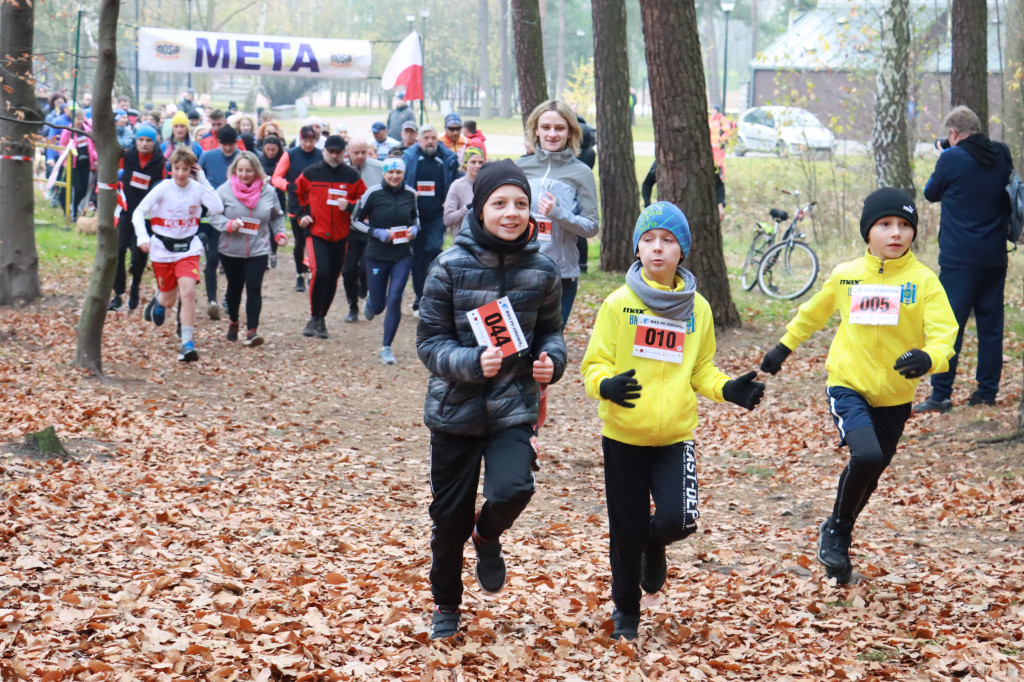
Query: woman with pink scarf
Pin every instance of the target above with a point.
(252, 217)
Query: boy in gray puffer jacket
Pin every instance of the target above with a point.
(490, 333)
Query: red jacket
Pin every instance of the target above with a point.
(320, 184)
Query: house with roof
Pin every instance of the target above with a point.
(825, 62)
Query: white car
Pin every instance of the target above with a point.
(783, 130)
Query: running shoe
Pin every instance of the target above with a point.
(154, 312)
(445, 622)
(300, 283)
(311, 327)
(490, 566)
(232, 331)
(213, 310)
(626, 625)
(386, 356)
(115, 304)
(253, 338)
(367, 313)
(321, 328)
(188, 352)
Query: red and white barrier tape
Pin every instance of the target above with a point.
(16, 158)
(103, 185)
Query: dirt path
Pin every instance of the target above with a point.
(261, 514)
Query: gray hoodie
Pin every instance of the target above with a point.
(574, 215)
(268, 212)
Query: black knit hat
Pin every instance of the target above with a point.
(493, 175)
(227, 135)
(885, 202)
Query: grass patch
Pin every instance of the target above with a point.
(59, 247)
(739, 454)
(760, 472)
(840, 603)
(877, 655)
(1011, 651)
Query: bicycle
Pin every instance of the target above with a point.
(785, 269)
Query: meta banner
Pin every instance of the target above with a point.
(165, 49)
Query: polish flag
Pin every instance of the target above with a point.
(406, 68)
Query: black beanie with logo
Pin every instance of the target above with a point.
(493, 175)
(886, 202)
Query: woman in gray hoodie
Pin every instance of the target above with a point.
(564, 191)
(252, 217)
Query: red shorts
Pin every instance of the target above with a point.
(168, 274)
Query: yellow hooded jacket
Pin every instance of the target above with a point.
(666, 411)
(862, 355)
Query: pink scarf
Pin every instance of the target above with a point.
(249, 195)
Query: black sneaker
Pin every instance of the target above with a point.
(115, 304)
(445, 622)
(626, 625)
(154, 312)
(300, 283)
(653, 568)
(976, 399)
(321, 328)
(232, 334)
(367, 313)
(353, 315)
(311, 327)
(133, 298)
(834, 549)
(213, 311)
(490, 567)
(931, 405)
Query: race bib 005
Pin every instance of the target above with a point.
(495, 326)
(658, 338)
(875, 304)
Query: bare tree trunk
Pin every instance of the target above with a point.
(620, 197)
(1013, 127)
(710, 43)
(686, 173)
(505, 109)
(88, 351)
(560, 52)
(529, 45)
(19, 262)
(483, 55)
(889, 133)
(969, 80)
(254, 91)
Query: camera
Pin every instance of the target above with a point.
(942, 143)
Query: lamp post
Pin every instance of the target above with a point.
(424, 13)
(190, 28)
(727, 7)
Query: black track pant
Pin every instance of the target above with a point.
(245, 273)
(353, 273)
(454, 474)
(126, 244)
(633, 476)
(325, 261)
(871, 451)
(299, 233)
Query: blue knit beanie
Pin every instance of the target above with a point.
(146, 131)
(663, 215)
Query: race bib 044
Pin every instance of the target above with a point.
(875, 304)
(495, 326)
(658, 338)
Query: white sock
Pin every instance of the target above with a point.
(186, 333)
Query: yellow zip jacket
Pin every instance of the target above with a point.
(666, 411)
(862, 355)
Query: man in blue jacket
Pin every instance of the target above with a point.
(970, 180)
(430, 169)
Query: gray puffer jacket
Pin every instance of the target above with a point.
(460, 399)
(575, 213)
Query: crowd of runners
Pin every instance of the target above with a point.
(374, 211)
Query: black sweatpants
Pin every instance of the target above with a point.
(872, 435)
(126, 244)
(454, 474)
(299, 233)
(245, 273)
(210, 244)
(353, 273)
(633, 475)
(325, 262)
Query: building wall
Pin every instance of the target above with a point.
(844, 100)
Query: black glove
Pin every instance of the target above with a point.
(913, 364)
(621, 388)
(774, 358)
(744, 391)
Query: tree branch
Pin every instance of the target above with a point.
(220, 26)
(37, 122)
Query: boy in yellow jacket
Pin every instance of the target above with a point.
(652, 346)
(896, 327)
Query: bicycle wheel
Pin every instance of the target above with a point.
(758, 247)
(787, 270)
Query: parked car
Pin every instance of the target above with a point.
(783, 130)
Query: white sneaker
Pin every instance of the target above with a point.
(386, 356)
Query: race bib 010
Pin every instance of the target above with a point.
(495, 325)
(659, 339)
(875, 304)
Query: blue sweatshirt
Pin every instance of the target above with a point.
(970, 181)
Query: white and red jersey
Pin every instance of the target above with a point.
(174, 213)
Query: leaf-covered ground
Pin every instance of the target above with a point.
(262, 514)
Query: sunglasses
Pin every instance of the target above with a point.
(454, 127)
